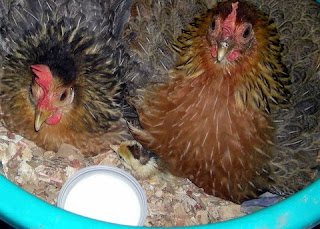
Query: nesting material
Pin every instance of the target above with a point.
(171, 201)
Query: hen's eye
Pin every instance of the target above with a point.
(213, 25)
(63, 96)
(31, 91)
(247, 32)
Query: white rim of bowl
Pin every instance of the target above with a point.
(80, 174)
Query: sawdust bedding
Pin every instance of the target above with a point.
(42, 173)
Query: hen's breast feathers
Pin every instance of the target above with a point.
(209, 135)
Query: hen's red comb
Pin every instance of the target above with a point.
(44, 75)
(229, 24)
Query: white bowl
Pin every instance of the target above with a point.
(105, 193)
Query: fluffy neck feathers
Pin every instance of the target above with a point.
(258, 75)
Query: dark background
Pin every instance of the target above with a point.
(3, 225)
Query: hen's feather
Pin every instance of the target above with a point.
(297, 146)
(298, 26)
(152, 29)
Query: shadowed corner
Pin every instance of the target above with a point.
(4, 225)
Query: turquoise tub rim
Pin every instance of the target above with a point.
(301, 210)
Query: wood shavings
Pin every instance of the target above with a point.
(25, 174)
(10, 137)
(70, 152)
(171, 201)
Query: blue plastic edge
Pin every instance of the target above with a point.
(23, 210)
(301, 210)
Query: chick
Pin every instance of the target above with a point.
(136, 158)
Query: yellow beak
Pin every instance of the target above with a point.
(40, 118)
(223, 48)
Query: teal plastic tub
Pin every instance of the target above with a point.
(23, 210)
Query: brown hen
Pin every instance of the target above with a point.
(214, 121)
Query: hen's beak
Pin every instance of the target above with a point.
(41, 117)
(223, 48)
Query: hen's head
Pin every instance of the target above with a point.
(239, 43)
(231, 32)
(51, 96)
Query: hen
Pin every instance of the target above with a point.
(61, 70)
(64, 69)
(227, 118)
(152, 28)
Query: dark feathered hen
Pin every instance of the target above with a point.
(298, 25)
(152, 28)
(61, 69)
(225, 118)
(296, 157)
